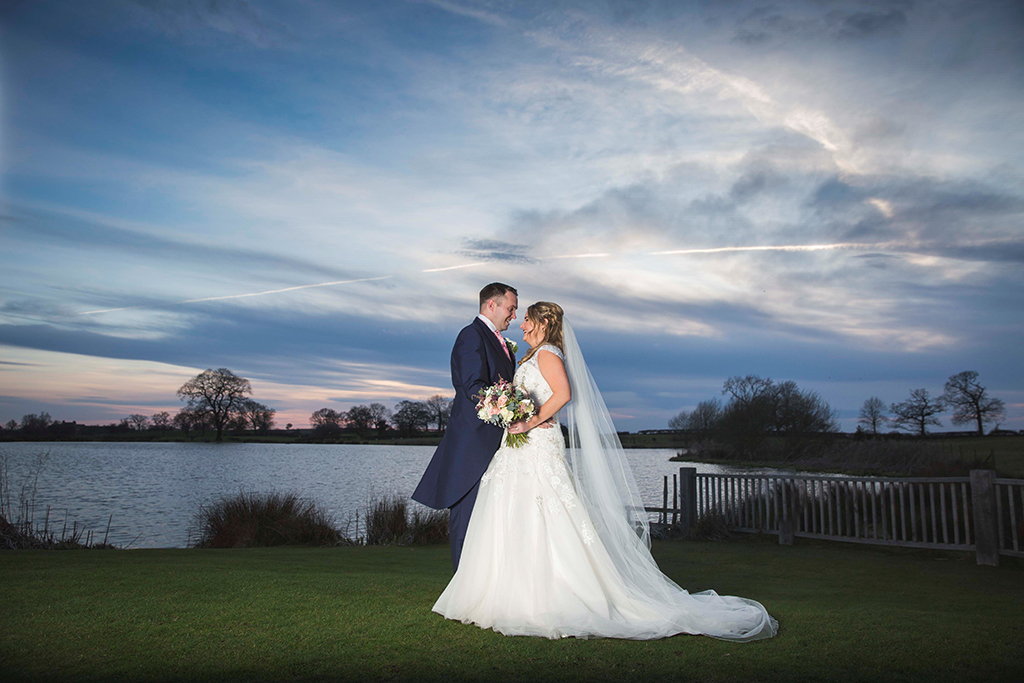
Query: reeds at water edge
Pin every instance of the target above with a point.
(18, 527)
(251, 519)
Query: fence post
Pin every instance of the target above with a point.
(788, 513)
(687, 497)
(986, 529)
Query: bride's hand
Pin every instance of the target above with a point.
(523, 426)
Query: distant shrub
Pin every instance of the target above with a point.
(259, 520)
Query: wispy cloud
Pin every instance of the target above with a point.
(236, 18)
(478, 11)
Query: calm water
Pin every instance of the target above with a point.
(154, 489)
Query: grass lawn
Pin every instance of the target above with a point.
(846, 613)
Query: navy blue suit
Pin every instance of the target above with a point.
(453, 476)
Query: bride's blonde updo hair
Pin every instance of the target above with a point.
(547, 315)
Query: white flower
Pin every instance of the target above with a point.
(506, 415)
(512, 345)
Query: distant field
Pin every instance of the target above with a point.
(1007, 452)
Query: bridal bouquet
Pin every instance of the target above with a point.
(502, 404)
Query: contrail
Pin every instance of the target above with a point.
(467, 265)
(576, 256)
(671, 252)
(787, 247)
(242, 296)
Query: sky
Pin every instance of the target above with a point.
(312, 194)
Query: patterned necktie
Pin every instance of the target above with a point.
(501, 340)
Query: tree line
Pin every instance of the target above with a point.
(758, 407)
(408, 418)
(220, 400)
(963, 393)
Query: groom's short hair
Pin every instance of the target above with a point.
(495, 290)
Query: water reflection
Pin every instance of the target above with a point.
(153, 490)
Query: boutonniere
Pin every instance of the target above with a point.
(513, 347)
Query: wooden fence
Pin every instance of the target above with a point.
(979, 513)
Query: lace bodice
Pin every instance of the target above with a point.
(528, 377)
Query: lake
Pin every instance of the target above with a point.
(153, 490)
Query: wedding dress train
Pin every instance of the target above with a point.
(540, 559)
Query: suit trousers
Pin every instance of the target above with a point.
(458, 522)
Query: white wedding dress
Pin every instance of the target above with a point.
(537, 562)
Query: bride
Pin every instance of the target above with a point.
(559, 548)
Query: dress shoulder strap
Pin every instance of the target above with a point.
(553, 349)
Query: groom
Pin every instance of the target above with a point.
(480, 358)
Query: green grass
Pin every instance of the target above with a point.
(1007, 452)
(363, 613)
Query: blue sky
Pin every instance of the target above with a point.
(311, 194)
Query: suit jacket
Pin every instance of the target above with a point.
(469, 443)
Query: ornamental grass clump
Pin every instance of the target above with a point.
(389, 521)
(710, 526)
(259, 520)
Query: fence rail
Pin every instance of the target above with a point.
(977, 513)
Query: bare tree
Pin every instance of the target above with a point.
(326, 421)
(440, 409)
(873, 415)
(360, 418)
(381, 417)
(917, 412)
(188, 419)
(256, 415)
(36, 423)
(411, 416)
(970, 401)
(11, 425)
(218, 393)
(704, 418)
(237, 424)
(161, 420)
(747, 390)
(801, 411)
(679, 421)
(136, 422)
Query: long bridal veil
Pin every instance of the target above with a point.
(604, 482)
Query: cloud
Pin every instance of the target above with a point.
(865, 24)
(98, 232)
(190, 19)
(495, 250)
(764, 24)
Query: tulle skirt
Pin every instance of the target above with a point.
(533, 564)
